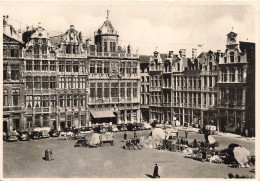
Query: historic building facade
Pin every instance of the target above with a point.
(145, 87)
(13, 83)
(114, 79)
(236, 106)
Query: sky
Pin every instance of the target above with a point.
(146, 26)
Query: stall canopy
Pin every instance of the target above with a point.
(102, 114)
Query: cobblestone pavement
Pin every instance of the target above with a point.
(25, 159)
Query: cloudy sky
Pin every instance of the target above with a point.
(145, 25)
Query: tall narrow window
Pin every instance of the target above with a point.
(29, 82)
(82, 100)
(61, 66)
(240, 75)
(44, 50)
(75, 100)
(106, 89)
(28, 65)
(15, 72)
(231, 54)
(52, 100)
(28, 101)
(114, 89)
(99, 67)
(135, 69)
(45, 101)
(37, 65)
(37, 101)
(15, 96)
(135, 89)
(128, 89)
(128, 69)
(69, 100)
(52, 65)
(92, 67)
(62, 100)
(45, 82)
(82, 82)
(52, 82)
(37, 82)
(68, 66)
(105, 46)
(76, 66)
(92, 90)
(106, 68)
(122, 89)
(122, 68)
(232, 75)
(99, 89)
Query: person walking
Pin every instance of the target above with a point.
(125, 136)
(135, 135)
(186, 133)
(155, 172)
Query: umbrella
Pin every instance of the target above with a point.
(211, 140)
(158, 134)
(241, 154)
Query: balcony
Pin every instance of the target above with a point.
(39, 56)
(167, 104)
(13, 108)
(155, 88)
(111, 54)
(72, 55)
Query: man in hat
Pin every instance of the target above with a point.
(155, 172)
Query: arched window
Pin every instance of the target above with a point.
(231, 57)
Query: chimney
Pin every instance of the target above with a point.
(182, 53)
(194, 53)
(170, 54)
(27, 28)
(5, 20)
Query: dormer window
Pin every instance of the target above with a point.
(210, 65)
(231, 57)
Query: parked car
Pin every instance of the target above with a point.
(139, 126)
(68, 132)
(100, 129)
(83, 132)
(114, 128)
(12, 136)
(122, 127)
(45, 134)
(54, 133)
(131, 127)
(36, 135)
(23, 135)
(147, 125)
(210, 129)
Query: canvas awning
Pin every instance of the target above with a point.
(102, 114)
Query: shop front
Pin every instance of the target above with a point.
(103, 117)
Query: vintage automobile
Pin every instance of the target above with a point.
(12, 136)
(171, 133)
(209, 129)
(131, 127)
(36, 135)
(112, 128)
(99, 129)
(45, 134)
(23, 135)
(139, 126)
(82, 132)
(67, 132)
(54, 133)
(122, 127)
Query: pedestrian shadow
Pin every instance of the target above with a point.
(44, 158)
(148, 175)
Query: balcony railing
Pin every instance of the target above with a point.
(110, 54)
(39, 56)
(12, 108)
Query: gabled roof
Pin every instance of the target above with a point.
(144, 58)
(202, 57)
